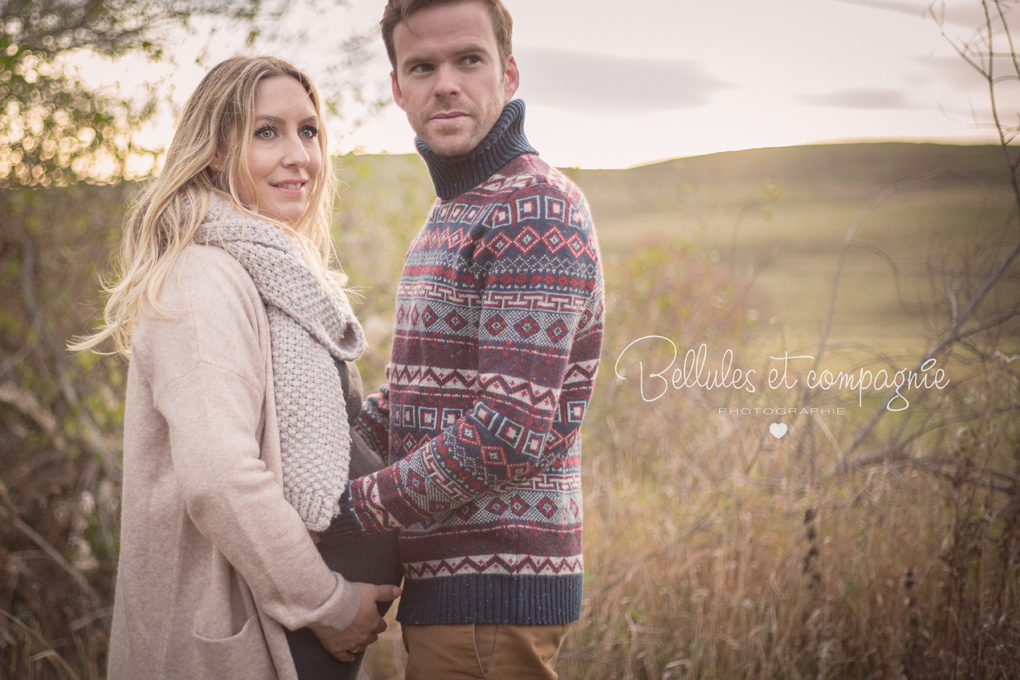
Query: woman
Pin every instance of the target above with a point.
(237, 443)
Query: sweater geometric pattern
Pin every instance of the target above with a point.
(498, 329)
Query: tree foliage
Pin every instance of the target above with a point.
(54, 128)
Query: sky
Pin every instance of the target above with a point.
(621, 84)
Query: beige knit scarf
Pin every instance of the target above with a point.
(308, 329)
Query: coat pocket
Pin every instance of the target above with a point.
(244, 655)
(227, 636)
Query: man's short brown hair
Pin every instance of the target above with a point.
(398, 11)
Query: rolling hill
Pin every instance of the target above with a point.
(780, 216)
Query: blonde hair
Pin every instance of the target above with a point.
(219, 117)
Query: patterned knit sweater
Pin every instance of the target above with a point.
(499, 315)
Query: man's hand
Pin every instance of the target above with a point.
(367, 625)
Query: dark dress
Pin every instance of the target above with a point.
(365, 558)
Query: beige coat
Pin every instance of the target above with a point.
(213, 560)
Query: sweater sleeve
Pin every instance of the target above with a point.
(540, 323)
(373, 423)
(208, 372)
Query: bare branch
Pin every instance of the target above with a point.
(953, 460)
(850, 238)
(991, 323)
(94, 597)
(898, 448)
(952, 335)
(1009, 38)
(875, 250)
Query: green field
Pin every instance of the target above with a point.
(780, 216)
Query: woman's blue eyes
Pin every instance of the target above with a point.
(269, 132)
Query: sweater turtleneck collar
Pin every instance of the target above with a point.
(453, 175)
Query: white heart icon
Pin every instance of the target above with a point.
(777, 430)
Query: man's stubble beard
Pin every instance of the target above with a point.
(478, 128)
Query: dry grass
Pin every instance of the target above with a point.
(714, 550)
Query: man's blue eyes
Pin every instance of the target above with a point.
(427, 68)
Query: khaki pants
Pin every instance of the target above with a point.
(482, 651)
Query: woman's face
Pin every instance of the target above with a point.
(285, 158)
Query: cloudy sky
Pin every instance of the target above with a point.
(618, 84)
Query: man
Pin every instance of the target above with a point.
(499, 317)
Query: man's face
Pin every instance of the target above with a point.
(448, 76)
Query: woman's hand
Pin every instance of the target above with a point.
(367, 625)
